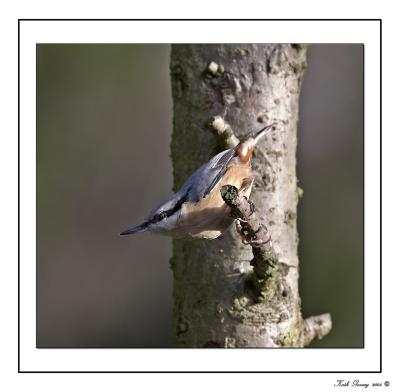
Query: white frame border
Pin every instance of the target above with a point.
(367, 359)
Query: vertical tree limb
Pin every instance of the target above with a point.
(221, 298)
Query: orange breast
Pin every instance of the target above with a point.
(209, 217)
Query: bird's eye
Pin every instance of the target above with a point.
(161, 216)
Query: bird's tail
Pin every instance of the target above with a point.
(135, 229)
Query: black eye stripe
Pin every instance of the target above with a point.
(165, 214)
(162, 215)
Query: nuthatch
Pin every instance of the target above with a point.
(197, 210)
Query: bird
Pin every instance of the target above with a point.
(197, 210)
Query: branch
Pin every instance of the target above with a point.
(316, 327)
(254, 232)
(268, 272)
(223, 132)
(266, 267)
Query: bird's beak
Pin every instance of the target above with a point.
(262, 132)
(135, 229)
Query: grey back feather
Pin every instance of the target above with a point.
(207, 176)
(200, 183)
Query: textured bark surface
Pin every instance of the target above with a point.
(241, 88)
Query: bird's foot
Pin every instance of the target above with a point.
(260, 241)
(257, 241)
(239, 229)
(252, 205)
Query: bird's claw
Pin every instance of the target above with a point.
(239, 229)
(262, 227)
(255, 242)
(259, 241)
(238, 218)
(252, 205)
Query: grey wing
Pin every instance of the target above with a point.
(198, 185)
(206, 178)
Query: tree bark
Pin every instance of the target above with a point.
(221, 91)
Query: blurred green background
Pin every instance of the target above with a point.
(104, 122)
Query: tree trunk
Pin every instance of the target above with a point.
(220, 88)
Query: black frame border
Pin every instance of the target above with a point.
(215, 20)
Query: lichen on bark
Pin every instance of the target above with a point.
(219, 300)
